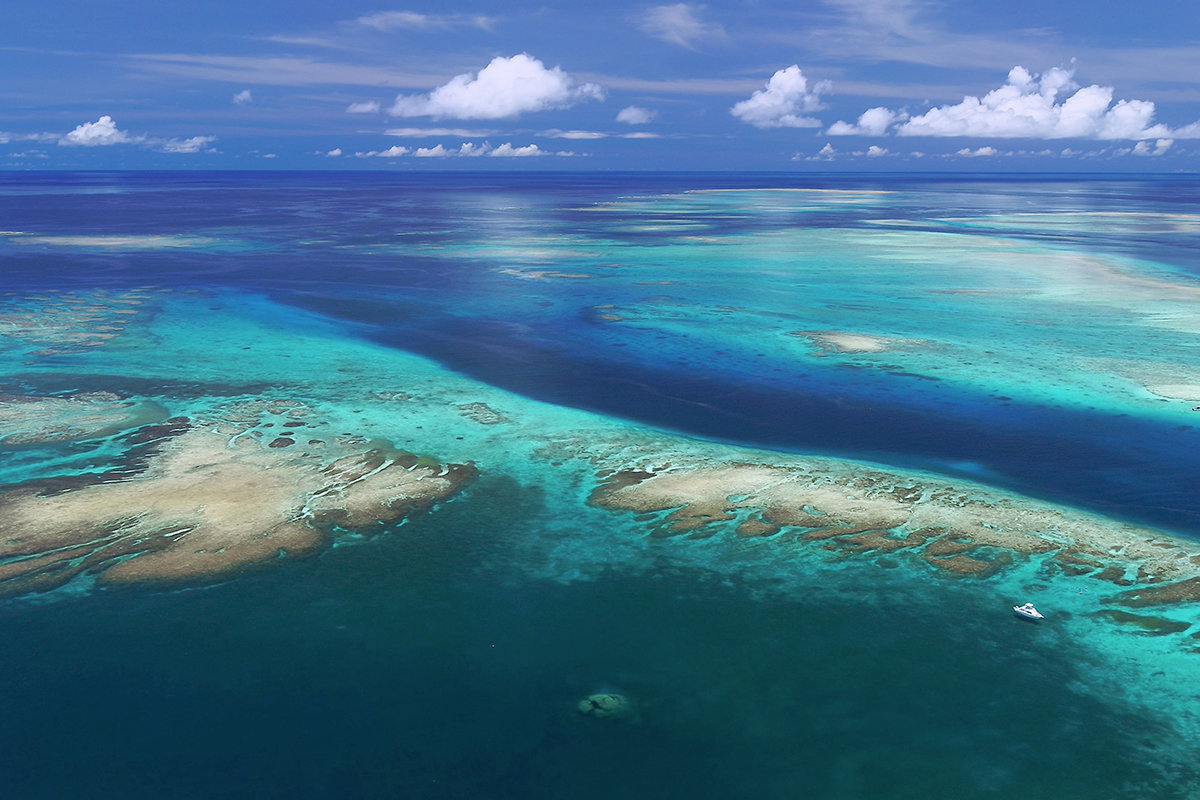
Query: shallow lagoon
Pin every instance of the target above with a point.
(977, 339)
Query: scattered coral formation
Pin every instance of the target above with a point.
(66, 323)
(607, 706)
(481, 413)
(208, 497)
(958, 530)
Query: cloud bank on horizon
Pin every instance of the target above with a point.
(675, 85)
(1027, 107)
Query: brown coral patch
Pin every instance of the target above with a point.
(756, 527)
(1186, 591)
(1114, 575)
(961, 564)
(481, 413)
(1149, 626)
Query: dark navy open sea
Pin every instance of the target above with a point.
(1033, 336)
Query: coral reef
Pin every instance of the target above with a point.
(959, 530)
(208, 498)
(607, 706)
(70, 322)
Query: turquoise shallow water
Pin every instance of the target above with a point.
(549, 333)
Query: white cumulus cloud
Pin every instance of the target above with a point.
(875, 151)
(369, 107)
(335, 152)
(982, 151)
(393, 151)
(873, 122)
(242, 98)
(92, 134)
(504, 88)
(678, 24)
(433, 152)
(1050, 106)
(507, 150)
(780, 105)
(826, 153)
(634, 115)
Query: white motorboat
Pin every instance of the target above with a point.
(1028, 611)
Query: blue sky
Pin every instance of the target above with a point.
(808, 85)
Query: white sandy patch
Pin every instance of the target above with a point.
(848, 342)
(1177, 391)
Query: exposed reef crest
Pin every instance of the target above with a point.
(956, 529)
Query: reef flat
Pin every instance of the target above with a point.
(199, 498)
(860, 511)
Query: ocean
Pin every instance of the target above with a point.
(531, 485)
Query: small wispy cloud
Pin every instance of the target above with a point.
(554, 133)
(1159, 148)
(368, 107)
(429, 133)
(388, 21)
(679, 24)
(472, 150)
(193, 145)
(243, 98)
(392, 152)
(826, 153)
(43, 138)
(635, 115)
